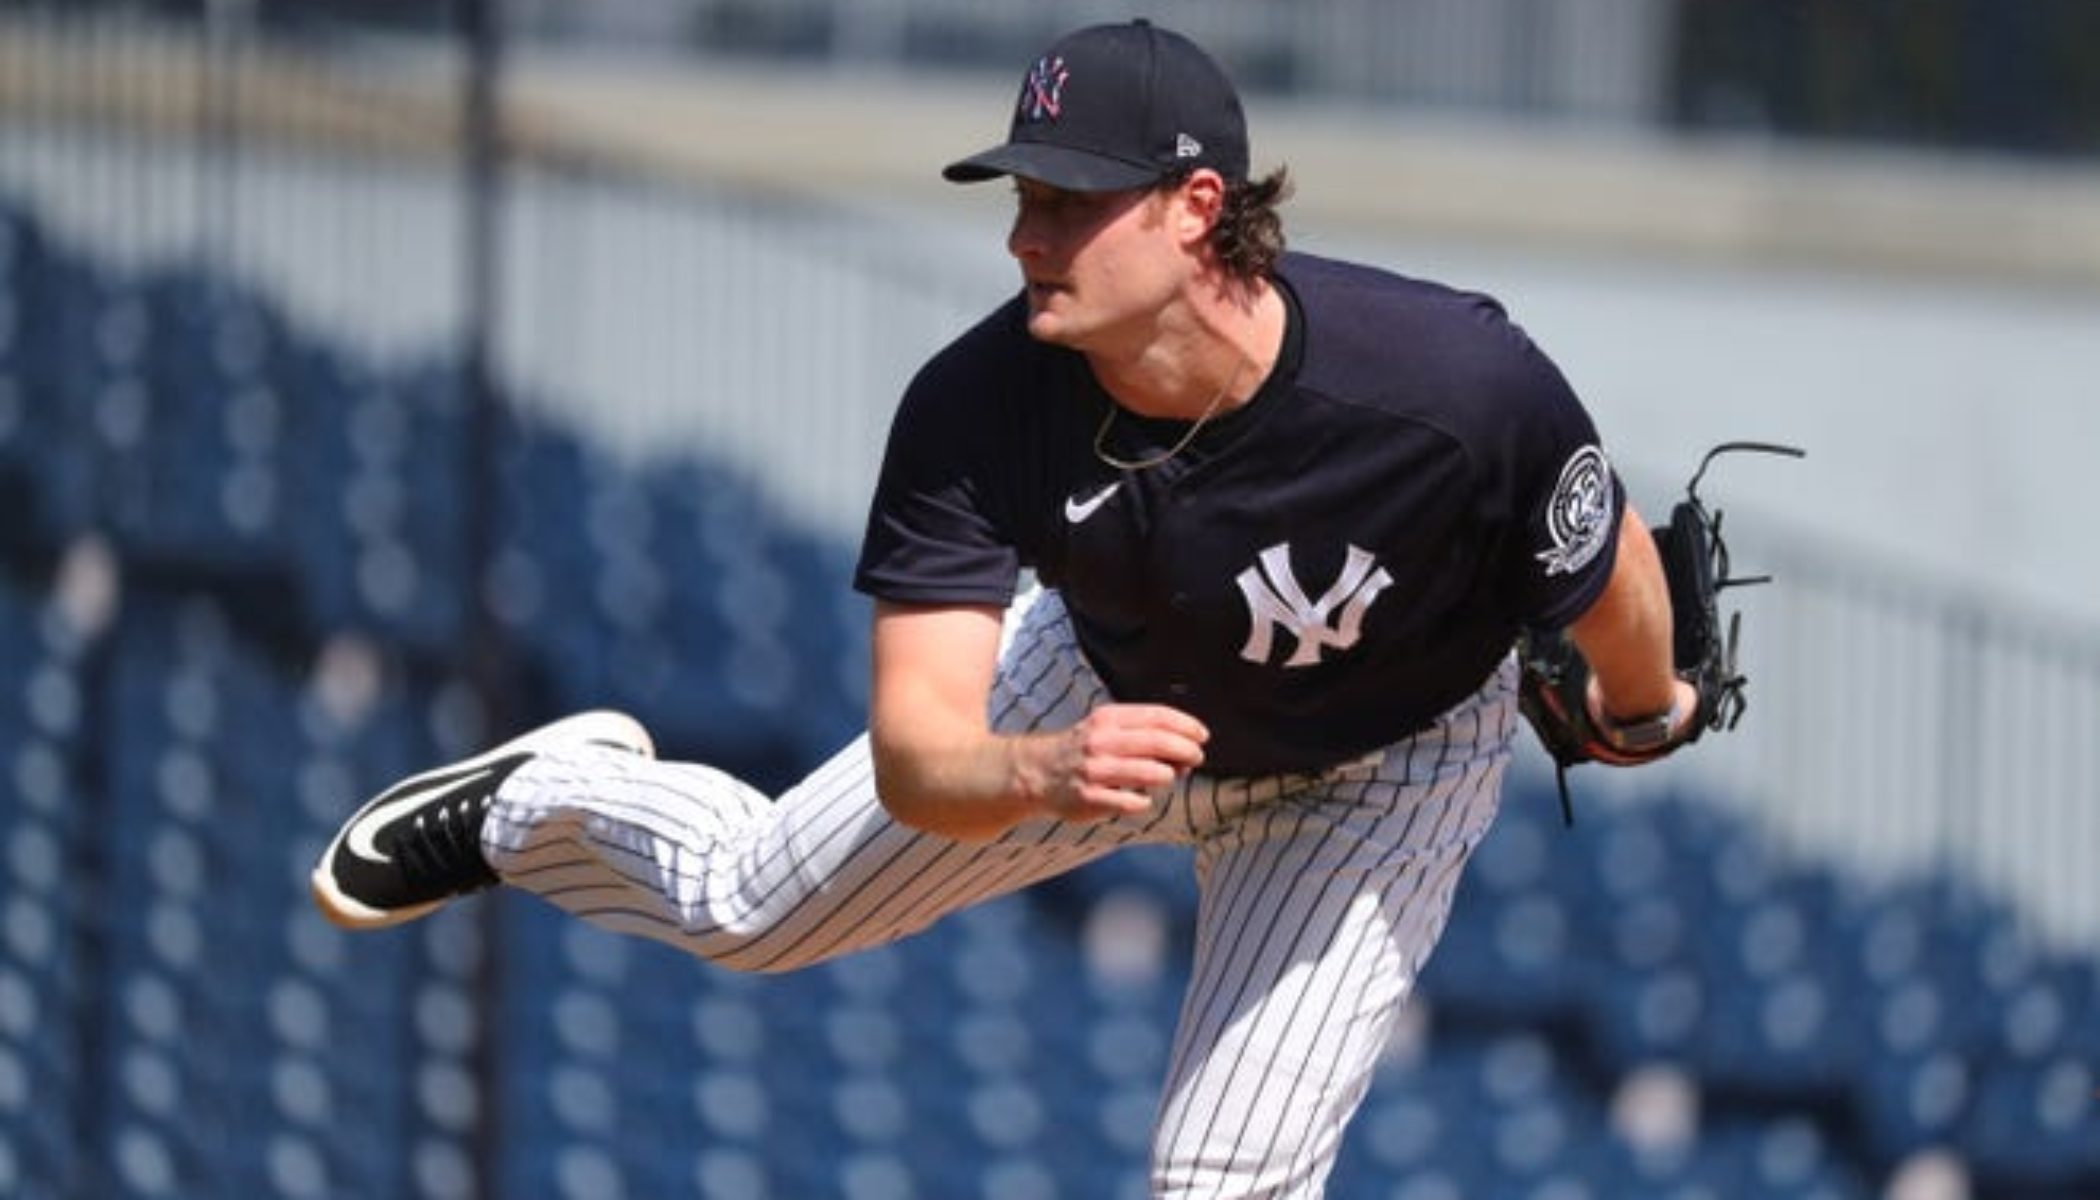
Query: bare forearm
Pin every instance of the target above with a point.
(1625, 636)
(938, 766)
(967, 786)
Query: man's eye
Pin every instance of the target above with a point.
(1046, 200)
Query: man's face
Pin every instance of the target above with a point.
(1098, 266)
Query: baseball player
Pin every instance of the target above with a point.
(1288, 516)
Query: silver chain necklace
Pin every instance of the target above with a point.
(1147, 463)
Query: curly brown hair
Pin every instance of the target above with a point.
(1248, 237)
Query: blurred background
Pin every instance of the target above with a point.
(377, 377)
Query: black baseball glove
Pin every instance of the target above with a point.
(1554, 691)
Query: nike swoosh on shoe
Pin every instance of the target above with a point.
(409, 797)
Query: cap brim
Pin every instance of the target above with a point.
(1058, 166)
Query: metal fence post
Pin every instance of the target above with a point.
(488, 667)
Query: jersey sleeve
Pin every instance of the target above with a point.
(932, 534)
(1556, 497)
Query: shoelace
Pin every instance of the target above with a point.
(443, 846)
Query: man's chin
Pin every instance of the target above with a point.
(1046, 326)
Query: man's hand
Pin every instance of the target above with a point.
(1111, 762)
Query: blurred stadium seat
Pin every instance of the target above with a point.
(72, 390)
(45, 981)
(201, 482)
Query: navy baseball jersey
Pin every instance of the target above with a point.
(1318, 573)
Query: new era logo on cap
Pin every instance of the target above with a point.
(1117, 106)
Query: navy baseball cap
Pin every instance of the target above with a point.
(1111, 107)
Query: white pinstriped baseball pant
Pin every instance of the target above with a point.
(1321, 895)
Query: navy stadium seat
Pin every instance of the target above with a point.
(74, 391)
(47, 992)
(200, 482)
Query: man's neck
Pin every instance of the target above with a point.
(1215, 361)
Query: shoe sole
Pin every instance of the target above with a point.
(603, 726)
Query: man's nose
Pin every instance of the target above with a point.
(1024, 239)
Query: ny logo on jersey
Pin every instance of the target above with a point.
(1275, 599)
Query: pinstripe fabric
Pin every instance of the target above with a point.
(1321, 894)
(1317, 913)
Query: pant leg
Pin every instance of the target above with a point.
(1318, 910)
(689, 855)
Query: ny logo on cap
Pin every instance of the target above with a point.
(1042, 93)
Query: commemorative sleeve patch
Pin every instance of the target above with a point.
(1578, 517)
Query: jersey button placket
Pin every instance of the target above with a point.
(1168, 549)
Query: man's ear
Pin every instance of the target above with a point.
(1202, 199)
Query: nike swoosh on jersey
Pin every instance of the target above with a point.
(359, 842)
(1079, 510)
